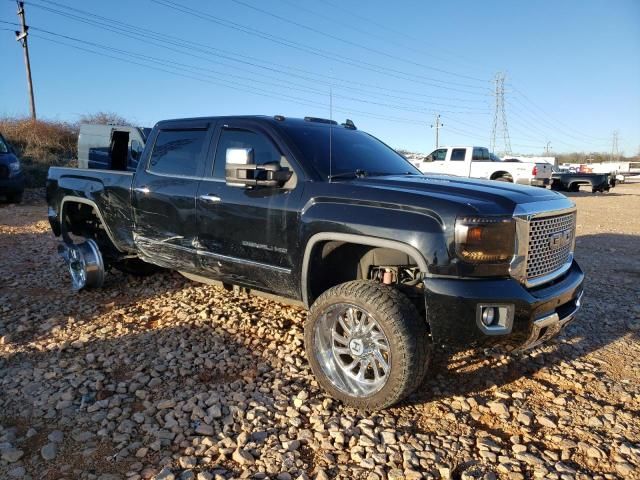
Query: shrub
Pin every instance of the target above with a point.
(40, 144)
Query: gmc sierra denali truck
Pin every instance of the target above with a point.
(389, 262)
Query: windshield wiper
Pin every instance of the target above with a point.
(357, 173)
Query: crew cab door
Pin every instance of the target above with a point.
(249, 235)
(435, 161)
(164, 193)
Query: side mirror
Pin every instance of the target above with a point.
(242, 171)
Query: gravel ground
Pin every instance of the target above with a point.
(163, 378)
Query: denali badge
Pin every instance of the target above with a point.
(559, 239)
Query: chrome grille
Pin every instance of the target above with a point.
(550, 243)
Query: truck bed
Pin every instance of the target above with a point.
(108, 190)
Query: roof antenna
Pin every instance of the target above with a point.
(330, 131)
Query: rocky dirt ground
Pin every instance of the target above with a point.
(163, 378)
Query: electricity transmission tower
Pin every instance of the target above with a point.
(615, 153)
(500, 116)
(437, 126)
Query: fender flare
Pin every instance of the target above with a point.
(91, 203)
(356, 239)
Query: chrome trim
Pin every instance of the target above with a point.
(210, 198)
(243, 261)
(553, 324)
(523, 214)
(504, 326)
(534, 282)
(218, 256)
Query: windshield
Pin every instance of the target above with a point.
(351, 150)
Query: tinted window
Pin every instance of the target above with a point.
(457, 154)
(350, 150)
(439, 155)
(264, 151)
(494, 158)
(177, 152)
(3, 146)
(481, 154)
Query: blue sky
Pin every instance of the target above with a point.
(572, 67)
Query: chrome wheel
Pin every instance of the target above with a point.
(352, 350)
(85, 264)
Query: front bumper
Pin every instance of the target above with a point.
(13, 184)
(538, 313)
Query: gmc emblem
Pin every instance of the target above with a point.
(559, 239)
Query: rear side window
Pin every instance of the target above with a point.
(481, 154)
(457, 154)
(263, 149)
(177, 152)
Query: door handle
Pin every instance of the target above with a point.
(210, 198)
(141, 189)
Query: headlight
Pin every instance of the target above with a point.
(14, 167)
(485, 240)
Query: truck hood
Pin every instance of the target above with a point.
(486, 197)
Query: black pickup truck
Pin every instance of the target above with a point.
(390, 262)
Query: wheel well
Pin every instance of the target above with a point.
(333, 262)
(81, 219)
(501, 174)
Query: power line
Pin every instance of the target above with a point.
(138, 33)
(314, 51)
(397, 33)
(355, 44)
(288, 86)
(549, 117)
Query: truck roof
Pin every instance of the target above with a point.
(275, 119)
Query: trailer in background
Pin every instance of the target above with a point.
(110, 147)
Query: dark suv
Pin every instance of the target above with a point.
(11, 175)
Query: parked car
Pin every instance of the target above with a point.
(11, 174)
(478, 162)
(390, 262)
(570, 181)
(110, 147)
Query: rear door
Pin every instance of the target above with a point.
(164, 194)
(247, 235)
(457, 163)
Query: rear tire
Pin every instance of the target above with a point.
(357, 328)
(503, 179)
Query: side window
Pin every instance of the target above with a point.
(177, 152)
(457, 154)
(439, 155)
(481, 155)
(264, 151)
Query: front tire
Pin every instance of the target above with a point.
(367, 344)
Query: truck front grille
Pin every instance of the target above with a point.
(550, 244)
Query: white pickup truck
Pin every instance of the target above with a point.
(478, 162)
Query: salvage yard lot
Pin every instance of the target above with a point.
(161, 372)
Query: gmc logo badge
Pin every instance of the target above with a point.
(559, 239)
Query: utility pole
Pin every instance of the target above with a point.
(437, 126)
(501, 114)
(547, 148)
(21, 37)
